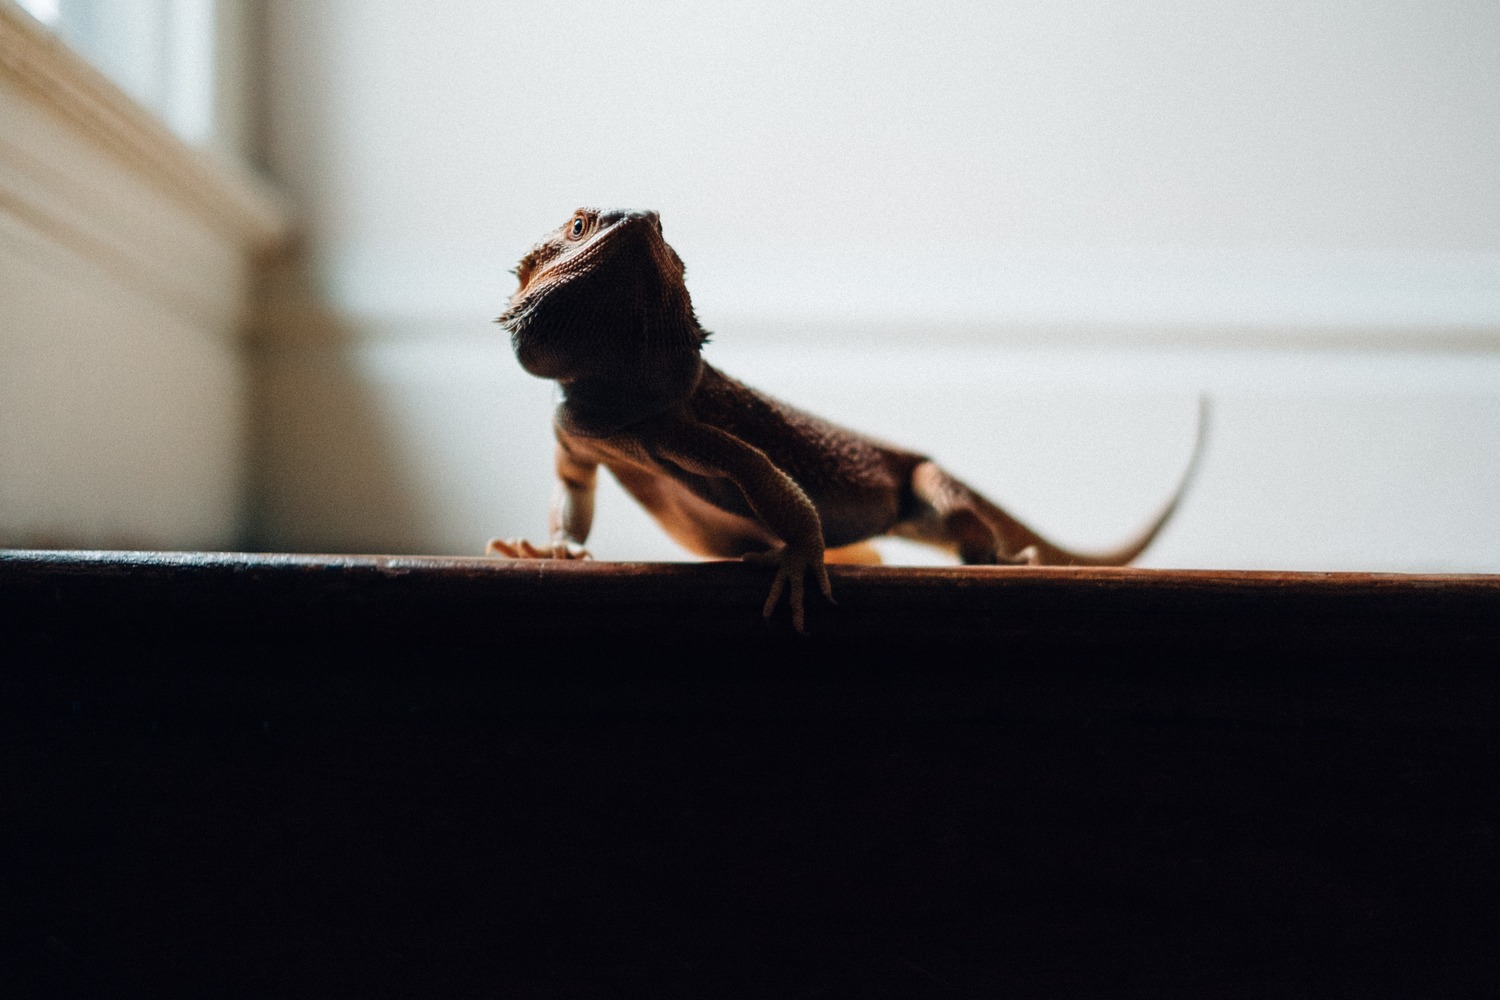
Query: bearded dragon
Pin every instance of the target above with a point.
(727, 471)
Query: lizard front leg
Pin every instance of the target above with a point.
(775, 499)
(570, 518)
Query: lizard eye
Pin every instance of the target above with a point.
(576, 229)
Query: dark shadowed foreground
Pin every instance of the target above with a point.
(273, 776)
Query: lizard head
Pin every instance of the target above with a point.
(602, 299)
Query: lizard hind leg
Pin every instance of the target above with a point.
(958, 517)
(950, 513)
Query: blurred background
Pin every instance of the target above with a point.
(250, 254)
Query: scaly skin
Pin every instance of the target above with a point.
(727, 471)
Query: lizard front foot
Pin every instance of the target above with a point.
(520, 548)
(792, 566)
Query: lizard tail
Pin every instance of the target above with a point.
(1018, 537)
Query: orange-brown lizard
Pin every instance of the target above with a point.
(729, 472)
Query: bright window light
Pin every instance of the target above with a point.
(43, 10)
(158, 51)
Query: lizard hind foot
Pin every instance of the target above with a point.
(792, 567)
(1029, 556)
(520, 548)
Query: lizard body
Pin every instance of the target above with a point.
(728, 472)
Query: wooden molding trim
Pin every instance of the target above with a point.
(37, 63)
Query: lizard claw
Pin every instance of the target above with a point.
(792, 566)
(520, 548)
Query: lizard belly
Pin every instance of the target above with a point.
(693, 522)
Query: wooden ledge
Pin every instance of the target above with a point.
(361, 775)
(128, 596)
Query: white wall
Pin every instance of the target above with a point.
(1021, 236)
